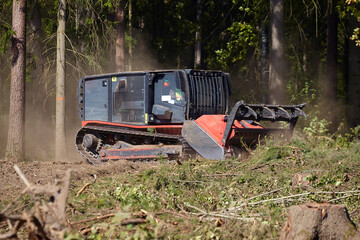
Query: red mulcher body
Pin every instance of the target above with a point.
(172, 114)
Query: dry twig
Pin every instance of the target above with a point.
(175, 213)
(93, 219)
(221, 175)
(281, 199)
(259, 166)
(343, 197)
(133, 221)
(85, 186)
(13, 230)
(218, 215)
(21, 175)
(263, 194)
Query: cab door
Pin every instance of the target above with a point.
(169, 98)
(128, 98)
(96, 99)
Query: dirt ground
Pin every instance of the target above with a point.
(45, 172)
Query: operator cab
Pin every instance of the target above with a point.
(159, 97)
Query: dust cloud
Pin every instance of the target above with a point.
(40, 100)
(40, 97)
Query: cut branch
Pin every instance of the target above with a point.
(281, 199)
(219, 215)
(85, 186)
(21, 175)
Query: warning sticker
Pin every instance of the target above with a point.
(165, 98)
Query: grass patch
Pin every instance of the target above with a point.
(231, 199)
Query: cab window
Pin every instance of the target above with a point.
(128, 99)
(168, 90)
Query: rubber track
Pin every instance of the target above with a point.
(93, 158)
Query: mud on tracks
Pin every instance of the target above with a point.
(46, 172)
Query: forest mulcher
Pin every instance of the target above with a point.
(172, 114)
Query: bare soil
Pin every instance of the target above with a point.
(45, 172)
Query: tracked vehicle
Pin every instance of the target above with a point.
(172, 114)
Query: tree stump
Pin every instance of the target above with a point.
(319, 221)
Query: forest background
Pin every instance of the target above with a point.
(318, 50)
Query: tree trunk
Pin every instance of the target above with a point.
(35, 46)
(264, 70)
(15, 142)
(276, 63)
(60, 149)
(198, 36)
(353, 73)
(120, 36)
(331, 61)
(330, 86)
(33, 101)
(130, 35)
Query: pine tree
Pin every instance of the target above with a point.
(15, 142)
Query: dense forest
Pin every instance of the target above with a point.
(276, 51)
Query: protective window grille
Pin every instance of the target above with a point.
(207, 94)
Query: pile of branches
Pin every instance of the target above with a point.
(47, 218)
